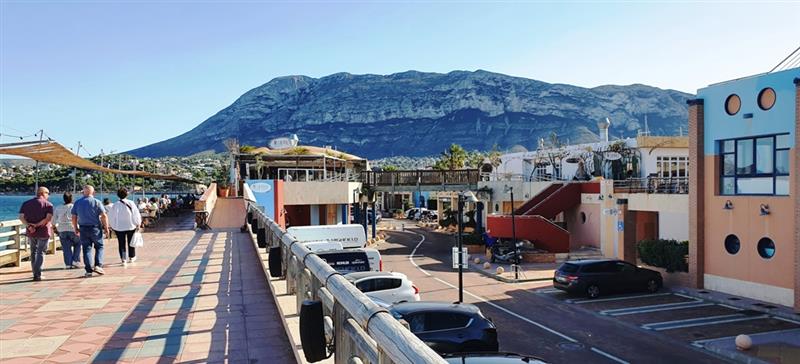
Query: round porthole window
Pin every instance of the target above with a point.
(766, 98)
(732, 244)
(732, 104)
(583, 217)
(766, 248)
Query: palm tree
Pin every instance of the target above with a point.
(453, 158)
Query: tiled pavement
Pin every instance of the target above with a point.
(190, 298)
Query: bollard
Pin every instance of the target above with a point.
(261, 237)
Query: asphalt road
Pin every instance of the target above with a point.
(529, 323)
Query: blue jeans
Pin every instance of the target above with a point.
(38, 248)
(71, 247)
(91, 237)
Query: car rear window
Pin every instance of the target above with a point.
(346, 262)
(568, 268)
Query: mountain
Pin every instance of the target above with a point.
(418, 114)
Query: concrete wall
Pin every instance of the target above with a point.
(584, 232)
(673, 225)
(319, 193)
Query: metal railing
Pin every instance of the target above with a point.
(361, 331)
(662, 185)
(14, 243)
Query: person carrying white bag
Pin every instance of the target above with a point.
(125, 220)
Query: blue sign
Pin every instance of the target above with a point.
(264, 192)
(620, 226)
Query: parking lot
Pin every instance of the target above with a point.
(688, 319)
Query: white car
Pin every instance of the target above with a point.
(390, 287)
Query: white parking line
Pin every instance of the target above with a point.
(617, 311)
(593, 300)
(659, 309)
(512, 313)
(710, 323)
(672, 323)
(607, 355)
(548, 290)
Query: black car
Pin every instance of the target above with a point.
(490, 358)
(448, 327)
(593, 277)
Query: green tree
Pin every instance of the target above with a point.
(454, 157)
(390, 168)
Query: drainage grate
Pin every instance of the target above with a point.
(759, 304)
(734, 298)
(698, 335)
(703, 292)
(770, 306)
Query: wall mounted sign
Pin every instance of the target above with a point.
(282, 143)
(612, 156)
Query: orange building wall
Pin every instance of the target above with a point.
(745, 221)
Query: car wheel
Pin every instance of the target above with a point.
(653, 286)
(593, 291)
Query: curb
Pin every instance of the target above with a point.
(503, 279)
(734, 355)
(746, 305)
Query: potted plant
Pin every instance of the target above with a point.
(223, 186)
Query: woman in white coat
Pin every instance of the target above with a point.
(125, 219)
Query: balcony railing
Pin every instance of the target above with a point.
(664, 185)
(421, 177)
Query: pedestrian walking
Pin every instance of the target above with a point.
(36, 214)
(125, 220)
(70, 244)
(90, 221)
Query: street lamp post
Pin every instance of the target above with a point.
(514, 232)
(463, 197)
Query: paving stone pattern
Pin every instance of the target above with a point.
(190, 298)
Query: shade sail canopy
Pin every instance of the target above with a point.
(49, 151)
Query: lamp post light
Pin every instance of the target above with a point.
(466, 196)
(513, 231)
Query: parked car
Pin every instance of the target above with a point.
(448, 327)
(427, 215)
(412, 213)
(387, 286)
(596, 277)
(491, 358)
(353, 260)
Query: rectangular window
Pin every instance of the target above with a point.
(744, 156)
(764, 150)
(755, 166)
(756, 186)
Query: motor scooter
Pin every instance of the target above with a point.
(504, 253)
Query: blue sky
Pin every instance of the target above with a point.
(116, 76)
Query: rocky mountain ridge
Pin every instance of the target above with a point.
(417, 114)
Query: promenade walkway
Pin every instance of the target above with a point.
(192, 297)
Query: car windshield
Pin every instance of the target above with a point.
(568, 268)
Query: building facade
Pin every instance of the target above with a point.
(743, 195)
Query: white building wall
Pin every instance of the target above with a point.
(650, 156)
(673, 225)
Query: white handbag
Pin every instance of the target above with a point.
(137, 241)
